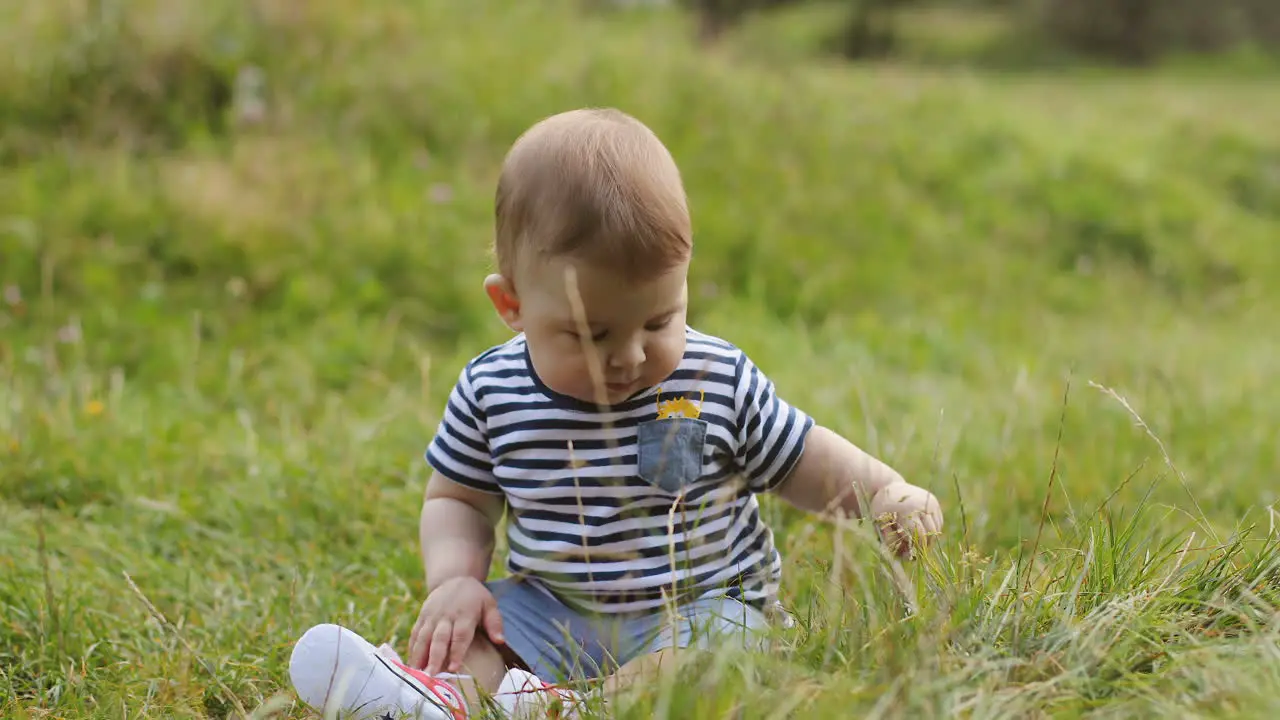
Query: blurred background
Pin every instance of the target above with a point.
(242, 245)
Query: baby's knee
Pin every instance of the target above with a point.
(721, 622)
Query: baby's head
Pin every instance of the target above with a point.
(592, 199)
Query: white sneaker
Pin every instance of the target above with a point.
(333, 668)
(522, 696)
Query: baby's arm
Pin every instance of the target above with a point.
(456, 530)
(781, 449)
(834, 476)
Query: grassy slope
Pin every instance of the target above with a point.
(233, 343)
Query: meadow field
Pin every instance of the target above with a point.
(241, 253)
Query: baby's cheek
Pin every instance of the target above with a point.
(574, 378)
(565, 372)
(666, 356)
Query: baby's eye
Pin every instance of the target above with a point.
(658, 325)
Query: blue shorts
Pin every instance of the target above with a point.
(557, 642)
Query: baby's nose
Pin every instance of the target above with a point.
(629, 355)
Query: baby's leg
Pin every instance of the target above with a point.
(482, 671)
(703, 625)
(550, 639)
(640, 671)
(550, 644)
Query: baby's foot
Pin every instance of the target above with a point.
(522, 695)
(334, 668)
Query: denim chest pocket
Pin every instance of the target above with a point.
(669, 455)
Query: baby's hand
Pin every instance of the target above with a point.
(906, 515)
(447, 625)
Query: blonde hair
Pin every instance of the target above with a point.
(594, 184)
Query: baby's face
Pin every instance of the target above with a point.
(636, 330)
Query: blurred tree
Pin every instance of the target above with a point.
(1141, 31)
(717, 16)
(871, 30)
(1263, 16)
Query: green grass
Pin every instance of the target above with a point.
(224, 346)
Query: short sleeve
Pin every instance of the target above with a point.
(771, 432)
(460, 448)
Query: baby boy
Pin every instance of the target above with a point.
(626, 448)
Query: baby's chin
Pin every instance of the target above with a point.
(609, 394)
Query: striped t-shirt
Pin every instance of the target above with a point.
(609, 509)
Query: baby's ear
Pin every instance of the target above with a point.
(505, 302)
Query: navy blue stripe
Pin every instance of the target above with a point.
(700, 375)
(701, 490)
(560, 443)
(515, 370)
(715, 482)
(712, 482)
(472, 408)
(694, 513)
(567, 424)
(541, 403)
(538, 404)
(758, 431)
(564, 478)
(564, 424)
(456, 414)
(573, 502)
(792, 459)
(693, 351)
(486, 390)
(442, 447)
(782, 437)
(749, 401)
(486, 486)
(569, 483)
(756, 545)
(461, 439)
(577, 540)
(719, 446)
(562, 463)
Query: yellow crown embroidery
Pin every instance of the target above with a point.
(680, 406)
